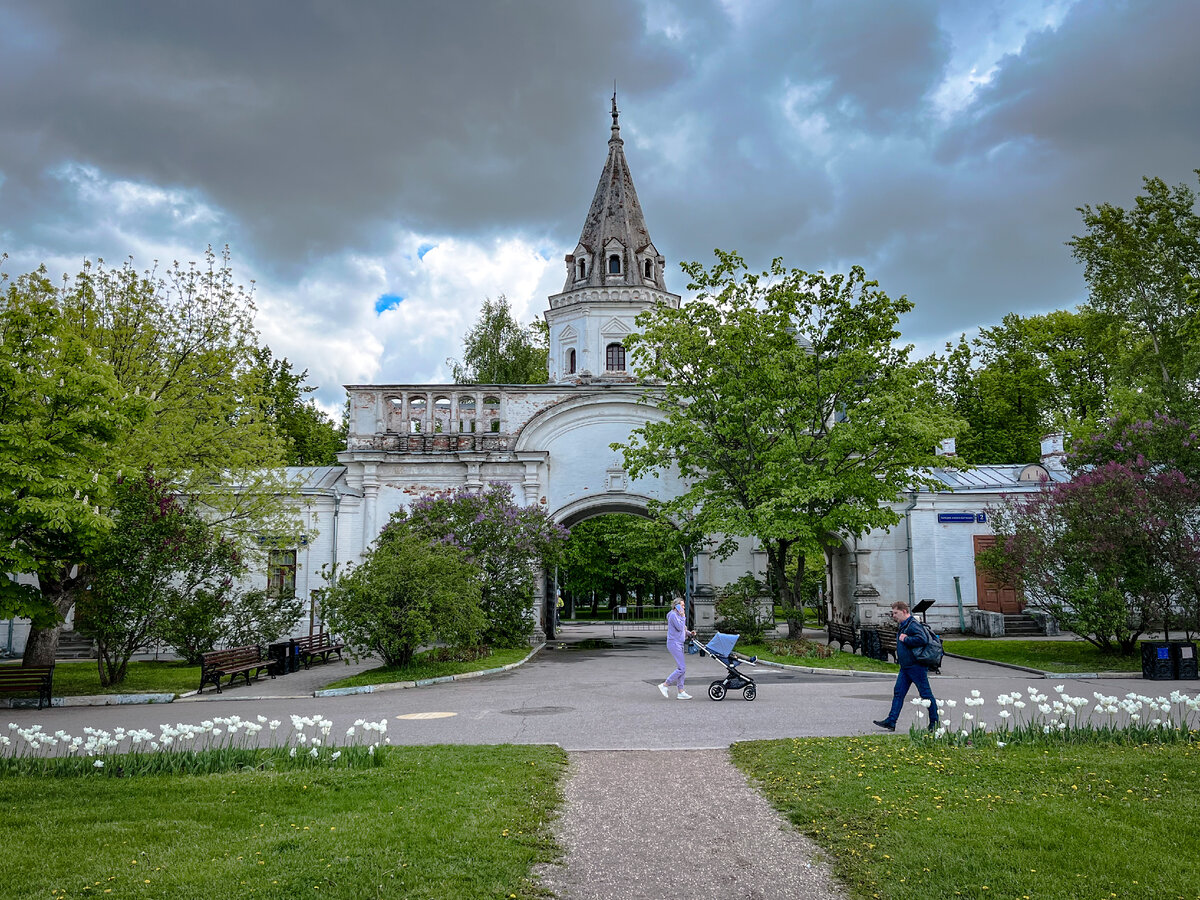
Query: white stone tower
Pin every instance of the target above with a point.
(614, 273)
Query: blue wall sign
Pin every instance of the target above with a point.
(964, 517)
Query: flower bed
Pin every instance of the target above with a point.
(220, 744)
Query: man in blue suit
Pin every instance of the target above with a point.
(910, 634)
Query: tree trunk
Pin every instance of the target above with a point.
(777, 561)
(58, 590)
(41, 646)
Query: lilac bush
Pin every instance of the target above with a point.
(509, 544)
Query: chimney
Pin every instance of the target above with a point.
(946, 447)
(1052, 451)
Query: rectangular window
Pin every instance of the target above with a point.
(281, 573)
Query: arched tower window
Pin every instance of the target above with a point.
(614, 358)
(649, 269)
(571, 361)
(582, 269)
(614, 265)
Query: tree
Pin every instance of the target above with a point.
(313, 438)
(182, 344)
(407, 592)
(1141, 265)
(786, 408)
(1023, 378)
(615, 555)
(61, 417)
(507, 543)
(499, 351)
(1116, 550)
(159, 560)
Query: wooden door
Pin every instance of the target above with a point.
(993, 596)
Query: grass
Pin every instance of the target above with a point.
(428, 665)
(905, 822)
(1049, 656)
(431, 822)
(81, 679)
(838, 660)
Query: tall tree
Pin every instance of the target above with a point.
(183, 342)
(1141, 266)
(313, 438)
(788, 410)
(62, 416)
(1023, 378)
(497, 350)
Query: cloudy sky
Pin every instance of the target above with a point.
(379, 168)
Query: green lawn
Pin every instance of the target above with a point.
(425, 666)
(904, 822)
(839, 659)
(77, 679)
(1070, 655)
(431, 822)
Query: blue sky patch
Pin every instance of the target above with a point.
(386, 302)
(423, 249)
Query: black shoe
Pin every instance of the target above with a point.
(933, 726)
(884, 723)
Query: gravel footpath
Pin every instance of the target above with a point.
(648, 825)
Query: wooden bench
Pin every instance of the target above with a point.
(317, 645)
(246, 661)
(22, 679)
(843, 633)
(886, 639)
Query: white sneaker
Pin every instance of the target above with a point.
(684, 695)
(662, 689)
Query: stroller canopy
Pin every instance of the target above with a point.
(721, 644)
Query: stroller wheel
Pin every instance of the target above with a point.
(749, 693)
(716, 690)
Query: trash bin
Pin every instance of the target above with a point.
(1156, 661)
(1183, 660)
(284, 656)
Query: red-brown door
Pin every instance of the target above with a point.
(993, 595)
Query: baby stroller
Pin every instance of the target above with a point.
(720, 648)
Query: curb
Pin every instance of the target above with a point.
(1042, 673)
(424, 682)
(841, 673)
(93, 700)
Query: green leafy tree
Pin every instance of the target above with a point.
(1023, 378)
(787, 408)
(1141, 266)
(618, 555)
(407, 592)
(61, 418)
(159, 558)
(509, 545)
(182, 344)
(313, 438)
(497, 350)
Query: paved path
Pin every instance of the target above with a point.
(587, 697)
(644, 825)
(629, 812)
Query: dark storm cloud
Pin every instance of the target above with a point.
(326, 141)
(313, 123)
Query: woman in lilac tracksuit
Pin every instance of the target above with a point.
(677, 634)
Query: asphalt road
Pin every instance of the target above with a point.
(586, 697)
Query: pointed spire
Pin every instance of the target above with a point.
(616, 227)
